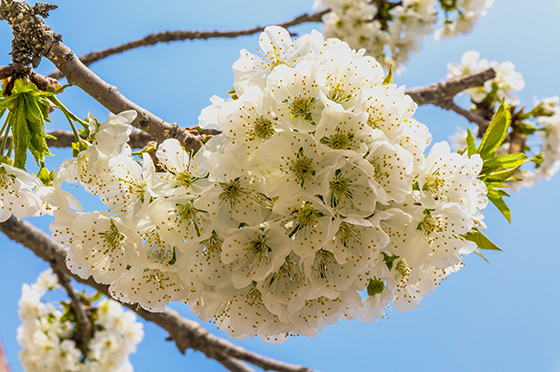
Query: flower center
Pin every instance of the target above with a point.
(340, 189)
(338, 94)
(301, 106)
(232, 191)
(323, 258)
(306, 216)
(212, 246)
(187, 213)
(263, 129)
(346, 233)
(113, 238)
(302, 167)
(340, 140)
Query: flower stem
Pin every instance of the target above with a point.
(70, 117)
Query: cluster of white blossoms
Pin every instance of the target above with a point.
(316, 192)
(46, 334)
(390, 31)
(507, 80)
(546, 112)
(548, 158)
(461, 16)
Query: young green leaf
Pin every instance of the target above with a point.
(502, 207)
(470, 143)
(505, 161)
(496, 132)
(481, 240)
(501, 175)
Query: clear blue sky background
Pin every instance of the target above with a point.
(502, 316)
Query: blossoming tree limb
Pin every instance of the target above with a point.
(185, 333)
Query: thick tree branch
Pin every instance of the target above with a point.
(181, 35)
(31, 36)
(65, 138)
(442, 95)
(109, 96)
(436, 93)
(185, 333)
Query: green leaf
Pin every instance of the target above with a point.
(389, 78)
(505, 161)
(493, 193)
(481, 240)
(496, 132)
(502, 207)
(32, 110)
(21, 135)
(495, 185)
(501, 175)
(526, 128)
(471, 146)
(374, 287)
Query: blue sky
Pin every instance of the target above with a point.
(502, 316)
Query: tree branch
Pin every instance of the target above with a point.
(65, 138)
(4, 367)
(185, 333)
(109, 96)
(442, 95)
(181, 35)
(85, 331)
(40, 40)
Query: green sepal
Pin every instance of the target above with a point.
(481, 240)
(375, 287)
(496, 132)
(44, 176)
(389, 260)
(481, 255)
(5, 160)
(233, 94)
(389, 78)
(78, 147)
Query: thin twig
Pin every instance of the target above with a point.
(85, 328)
(4, 367)
(181, 35)
(185, 333)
